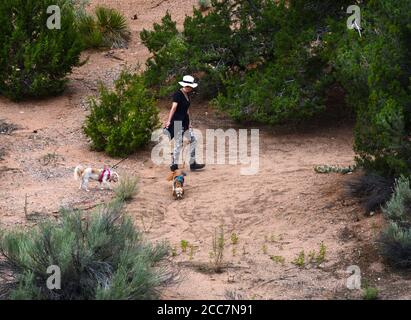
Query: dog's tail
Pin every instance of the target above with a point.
(78, 172)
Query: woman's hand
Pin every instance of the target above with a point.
(167, 124)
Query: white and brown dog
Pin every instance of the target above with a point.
(104, 176)
(178, 178)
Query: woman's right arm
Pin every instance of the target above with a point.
(171, 114)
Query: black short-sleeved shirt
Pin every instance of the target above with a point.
(182, 108)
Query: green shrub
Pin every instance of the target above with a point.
(395, 240)
(167, 66)
(122, 120)
(277, 93)
(222, 46)
(370, 293)
(113, 26)
(100, 256)
(127, 188)
(398, 208)
(108, 28)
(169, 62)
(161, 35)
(274, 61)
(35, 60)
(375, 71)
(91, 35)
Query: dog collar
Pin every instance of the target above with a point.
(180, 179)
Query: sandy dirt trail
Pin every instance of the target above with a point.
(277, 213)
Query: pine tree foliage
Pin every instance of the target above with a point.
(34, 60)
(273, 62)
(101, 256)
(122, 120)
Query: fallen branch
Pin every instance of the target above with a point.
(81, 209)
(159, 4)
(4, 169)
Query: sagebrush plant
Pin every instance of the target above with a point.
(107, 28)
(101, 256)
(127, 188)
(35, 60)
(395, 240)
(122, 120)
(398, 208)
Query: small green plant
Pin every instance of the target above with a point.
(321, 254)
(316, 258)
(218, 249)
(234, 239)
(184, 245)
(127, 188)
(174, 251)
(234, 242)
(191, 254)
(311, 256)
(278, 259)
(264, 248)
(299, 261)
(370, 293)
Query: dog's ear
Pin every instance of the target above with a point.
(184, 174)
(170, 176)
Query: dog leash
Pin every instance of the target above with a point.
(118, 163)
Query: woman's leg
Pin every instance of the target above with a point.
(193, 146)
(178, 146)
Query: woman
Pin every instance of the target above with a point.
(178, 124)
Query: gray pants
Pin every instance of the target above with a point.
(179, 139)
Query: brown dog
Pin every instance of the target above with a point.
(178, 178)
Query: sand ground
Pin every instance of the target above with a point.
(275, 214)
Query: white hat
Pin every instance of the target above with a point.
(188, 81)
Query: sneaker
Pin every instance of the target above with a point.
(195, 166)
(173, 167)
